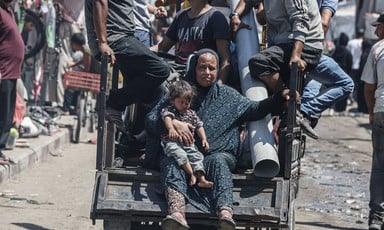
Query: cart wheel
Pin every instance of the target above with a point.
(80, 118)
(116, 225)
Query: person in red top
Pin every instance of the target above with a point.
(11, 59)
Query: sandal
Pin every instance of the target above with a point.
(226, 223)
(225, 220)
(172, 223)
(4, 160)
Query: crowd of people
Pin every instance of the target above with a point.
(200, 36)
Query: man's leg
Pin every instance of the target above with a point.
(267, 65)
(143, 72)
(376, 203)
(338, 85)
(7, 110)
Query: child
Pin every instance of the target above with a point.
(82, 61)
(78, 44)
(188, 157)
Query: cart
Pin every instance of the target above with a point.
(129, 197)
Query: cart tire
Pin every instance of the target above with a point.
(80, 119)
(116, 225)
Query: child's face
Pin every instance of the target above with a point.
(182, 104)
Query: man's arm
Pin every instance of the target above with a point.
(159, 12)
(165, 45)
(87, 62)
(326, 16)
(369, 95)
(327, 10)
(100, 14)
(298, 11)
(224, 56)
(236, 24)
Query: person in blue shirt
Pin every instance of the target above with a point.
(327, 73)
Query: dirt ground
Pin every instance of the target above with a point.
(333, 194)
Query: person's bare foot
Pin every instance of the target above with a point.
(192, 181)
(205, 184)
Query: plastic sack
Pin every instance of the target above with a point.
(20, 109)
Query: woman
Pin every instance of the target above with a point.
(222, 110)
(197, 27)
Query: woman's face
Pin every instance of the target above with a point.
(206, 70)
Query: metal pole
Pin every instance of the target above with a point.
(101, 104)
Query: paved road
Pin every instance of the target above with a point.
(335, 175)
(56, 194)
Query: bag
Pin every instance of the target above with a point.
(29, 128)
(20, 109)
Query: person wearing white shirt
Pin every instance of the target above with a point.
(374, 96)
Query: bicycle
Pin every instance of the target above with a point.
(88, 84)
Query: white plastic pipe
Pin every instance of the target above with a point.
(265, 160)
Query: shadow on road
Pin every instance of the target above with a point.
(324, 225)
(30, 226)
(365, 125)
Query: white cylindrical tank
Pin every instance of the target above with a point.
(264, 156)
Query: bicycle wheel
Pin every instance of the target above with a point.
(81, 106)
(40, 34)
(92, 115)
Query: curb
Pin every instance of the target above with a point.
(40, 148)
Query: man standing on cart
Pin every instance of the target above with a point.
(143, 70)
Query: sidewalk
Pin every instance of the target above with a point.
(38, 150)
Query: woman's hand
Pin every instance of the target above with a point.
(184, 131)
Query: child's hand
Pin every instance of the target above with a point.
(173, 134)
(205, 145)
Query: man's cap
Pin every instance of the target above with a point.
(380, 20)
